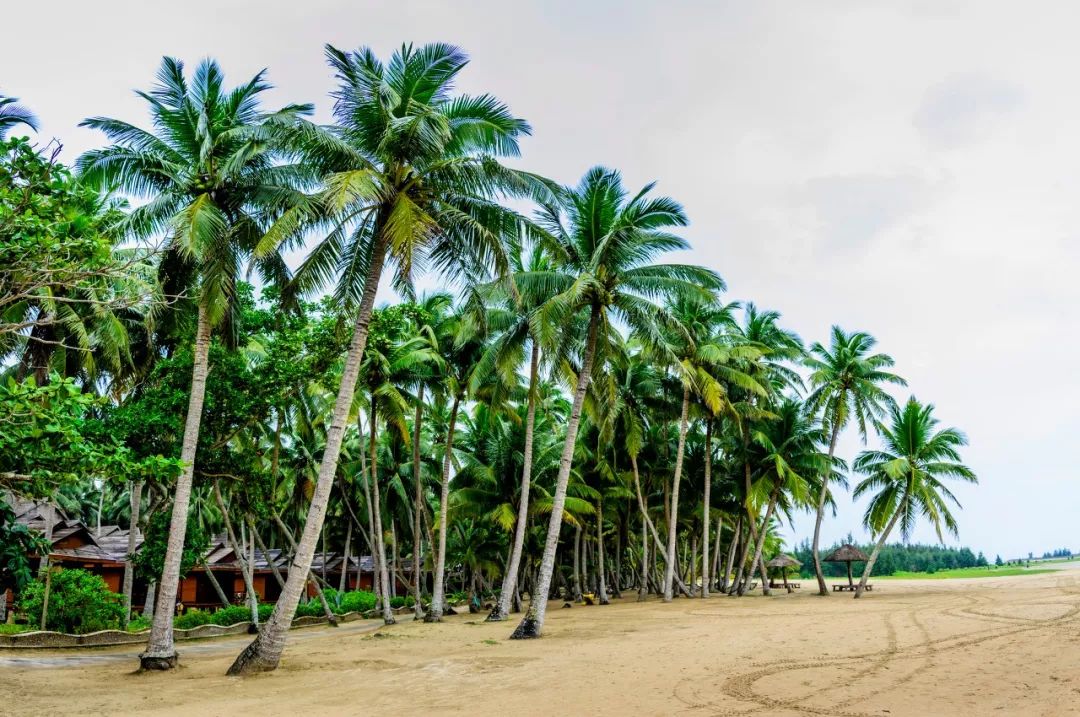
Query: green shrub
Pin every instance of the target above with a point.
(231, 615)
(357, 601)
(79, 602)
(139, 623)
(311, 608)
(14, 629)
(191, 618)
(402, 601)
(264, 611)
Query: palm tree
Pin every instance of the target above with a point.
(704, 368)
(846, 382)
(210, 173)
(410, 180)
(12, 114)
(906, 476)
(511, 319)
(603, 244)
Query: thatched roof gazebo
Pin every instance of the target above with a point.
(784, 561)
(849, 554)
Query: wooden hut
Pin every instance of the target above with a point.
(783, 562)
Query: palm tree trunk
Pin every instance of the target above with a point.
(757, 561)
(312, 578)
(43, 566)
(151, 594)
(660, 550)
(238, 550)
(705, 517)
(601, 564)
(533, 622)
(343, 580)
(253, 597)
(418, 603)
(502, 608)
(160, 653)
(577, 564)
(129, 568)
(823, 589)
(365, 473)
(716, 565)
(673, 520)
(877, 548)
(380, 542)
(435, 611)
(264, 653)
(643, 588)
(268, 558)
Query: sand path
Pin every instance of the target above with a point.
(951, 647)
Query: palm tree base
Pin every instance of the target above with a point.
(389, 621)
(495, 615)
(528, 629)
(158, 663)
(431, 617)
(249, 662)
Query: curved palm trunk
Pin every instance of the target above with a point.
(757, 563)
(714, 566)
(509, 586)
(877, 548)
(673, 520)
(647, 521)
(643, 587)
(601, 564)
(129, 568)
(376, 507)
(418, 603)
(160, 651)
(533, 622)
(343, 579)
(577, 564)
(725, 573)
(246, 563)
(823, 589)
(264, 652)
(705, 517)
(435, 611)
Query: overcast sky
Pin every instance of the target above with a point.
(908, 169)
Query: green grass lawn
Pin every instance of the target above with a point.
(992, 572)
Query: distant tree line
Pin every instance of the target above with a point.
(895, 558)
(1059, 553)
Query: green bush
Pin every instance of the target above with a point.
(264, 611)
(357, 601)
(79, 602)
(192, 618)
(311, 608)
(139, 623)
(231, 615)
(402, 601)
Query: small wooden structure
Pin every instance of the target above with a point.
(784, 561)
(849, 554)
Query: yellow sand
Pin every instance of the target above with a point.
(1004, 646)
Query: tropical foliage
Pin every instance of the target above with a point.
(574, 413)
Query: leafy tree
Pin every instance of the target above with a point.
(410, 179)
(847, 382)
(212, 183)
(79, 602)
(905, 477)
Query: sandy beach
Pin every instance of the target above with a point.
(949, 647)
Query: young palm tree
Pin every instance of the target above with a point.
(604, 251)
(12, 114)
(410, 180)
(906, 477)
(846, 381)
(210, 172)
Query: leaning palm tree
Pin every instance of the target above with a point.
(12, 114)
(604, 245)
(906, 476)
(211, 175)
(846, 381)
(410, 181)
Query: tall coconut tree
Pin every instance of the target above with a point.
(604, 244)
(906, 477)
(411, 182)
(847, 383)
(705, 365)
(13, 114)
(211, 173)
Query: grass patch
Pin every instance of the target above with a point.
(491, 642)
(992, 572)
(14, 629)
